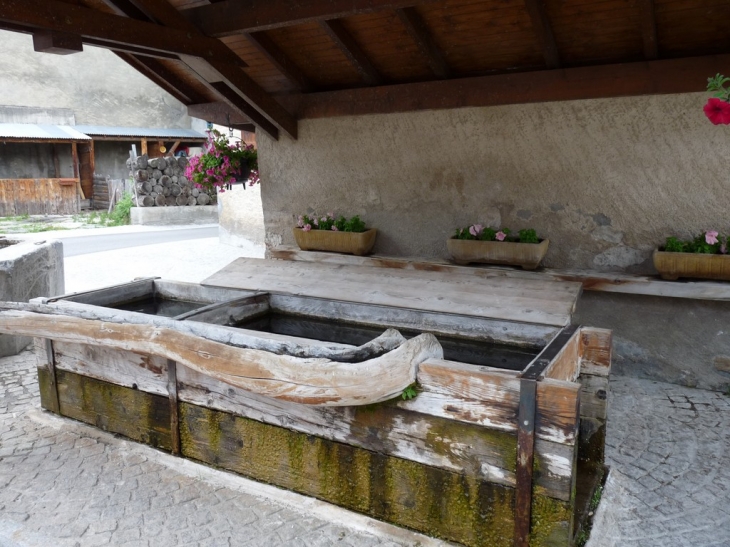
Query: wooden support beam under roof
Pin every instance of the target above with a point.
(544, 32)
(619, 80)
(421, 35)
(352, 50)
(280, 60)
(218, 72)
(58, 43)
(105, 29)
(163, 77)
(648, 29)
(231, 17)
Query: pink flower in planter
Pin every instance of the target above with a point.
(500, 235)
(300, 221)
(711, 237)
(335, 229)
(476, 230)
(330, 215)
(306, 227)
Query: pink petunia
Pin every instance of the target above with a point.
(717, 111)
(300, 221)
(476, 230)
(307, 227)
(315, 222)
(500, 235)
(711, 237)
(335, 229)
(330, 215)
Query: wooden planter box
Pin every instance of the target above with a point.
(672, 266)
(446, 463)
(527, 255)
(357, 243)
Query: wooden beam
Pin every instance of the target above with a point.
(163, 77)
(237, 102)
(280, 60)
(648, 29)
(234, 16)
(266, 111)
(347, 44)
(106, 29)
(220, 112)
(620, 80)
(58, 43)
(143, 146)
(544, 31)
(421, 35)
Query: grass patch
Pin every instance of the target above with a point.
(15, 219)
(36, 228)
(120, 215)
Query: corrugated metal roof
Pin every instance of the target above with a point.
(150, 132)
(39, 132)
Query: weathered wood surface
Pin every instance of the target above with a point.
(566, 364)
(37, 197)
(591, 280)
(240, 338)
(541, 302)
(472, 327)
(395, 429)
(109, 296)
(306, 381)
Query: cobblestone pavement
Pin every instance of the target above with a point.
(65, 484)
(669, 485)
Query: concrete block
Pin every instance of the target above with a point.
(28, 269)
(172, 216)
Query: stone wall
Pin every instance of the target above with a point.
(606, 180)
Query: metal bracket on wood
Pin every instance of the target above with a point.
(54, 402)
(529, 378)
(174, 412)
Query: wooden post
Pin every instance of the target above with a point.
(56, 166)
(75, 159)
(174, 417)
(143, 148)
(54, 405)
(174, 147)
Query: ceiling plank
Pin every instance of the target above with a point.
(619, 80)
(219, 68)
(108, 30)
(280, 60)
(421, 35)
(648, 29)
(347, 44)
(544, 32)
(234, 16)
(163, 77)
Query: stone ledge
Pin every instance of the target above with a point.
(170, 216)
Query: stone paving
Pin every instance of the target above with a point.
(67, 484)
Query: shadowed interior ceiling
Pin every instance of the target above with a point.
(270, 62)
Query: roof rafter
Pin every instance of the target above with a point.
(544, 31)
(648, 29)
(158, 73)
(617, 80)
(234, 16)
(421, 35)
(219, 73)
(280, 60)
(352, 50)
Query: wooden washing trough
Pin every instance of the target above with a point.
(291, 373)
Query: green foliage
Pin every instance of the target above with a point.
(121, 213)
(36, 228)
(410, 392)
(221, 163)
(697, 245)
(528, 236)
(329, 222)
(716, 85)
(15, 219)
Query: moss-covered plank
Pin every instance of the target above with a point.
(434, 501)
(140, 416)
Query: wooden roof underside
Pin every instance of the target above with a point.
(270, 62)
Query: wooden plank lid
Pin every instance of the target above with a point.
(536, 301)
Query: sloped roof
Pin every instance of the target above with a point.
(140, 132)
(40, 132)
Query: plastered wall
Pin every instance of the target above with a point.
(605, 180)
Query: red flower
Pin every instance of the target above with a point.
(718, 111)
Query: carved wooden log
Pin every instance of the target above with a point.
(175, 179)
(192, 201)
(160, 200)
(175, 190)
(182, 179)
(154, 194)
(141, 175)
(307, 381)
(168, 171)
(157, 188)
(157, 174)
(165, 180)
(166, 190)
(144, 187)
(142, 161)
(182, 162)
(203, 199)
(181, 200)
(195, 192)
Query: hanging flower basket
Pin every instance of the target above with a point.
(223, 164)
